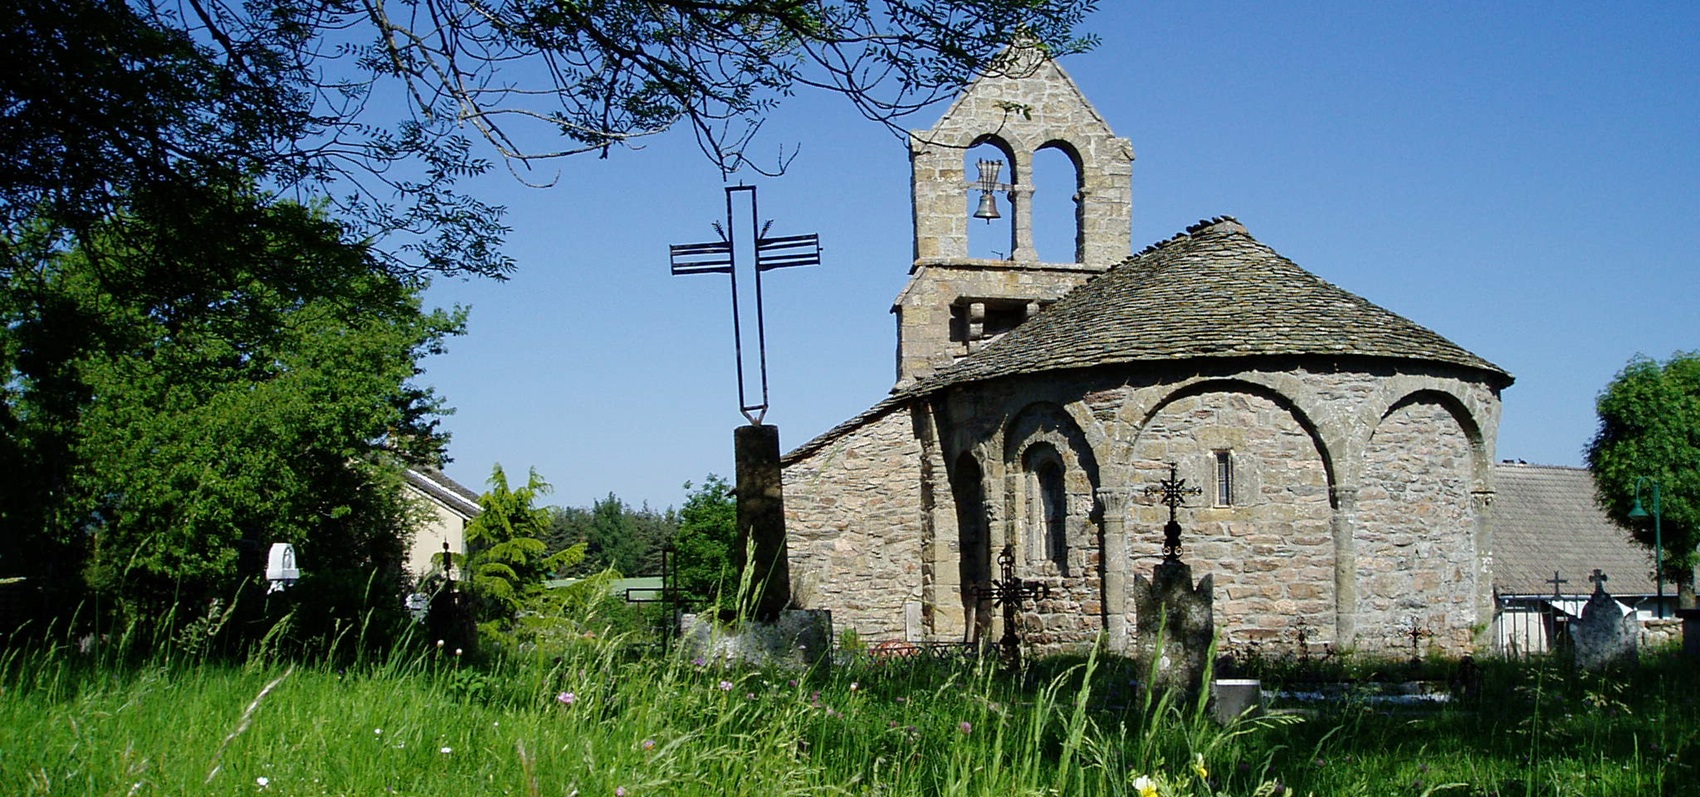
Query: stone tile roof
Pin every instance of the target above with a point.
(1213, 291)
(1545, 519)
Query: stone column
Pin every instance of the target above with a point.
(1345, 564)
(1486, 606)
(761, 519)
(1021, 198)
(1116, 564)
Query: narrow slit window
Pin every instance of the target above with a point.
(1224, 478)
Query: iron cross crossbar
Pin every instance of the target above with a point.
(1174, 492)
(721, 257)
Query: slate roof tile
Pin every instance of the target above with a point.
(1213, 291)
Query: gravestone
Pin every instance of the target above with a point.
(1175, 619)
(1603, 634)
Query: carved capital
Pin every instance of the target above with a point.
(1115, 504)
(1482, 498)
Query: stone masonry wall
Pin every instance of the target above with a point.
(1415, 522)
(854, 516)
(1270, 550)
(1287, 559)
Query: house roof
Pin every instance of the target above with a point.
(444, 490)
(1212, 291)
(1545, 519)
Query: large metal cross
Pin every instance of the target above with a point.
(764, 253)
(1555, 581)
(1174, 492)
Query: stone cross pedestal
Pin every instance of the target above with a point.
(1604, 633)
(1175, 625)
(761, 521)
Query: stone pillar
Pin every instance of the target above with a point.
(1115, 562)
(1486, 605)
(1021, 222)
(1345, 565)
(761, 520)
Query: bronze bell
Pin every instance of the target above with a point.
(988, 209)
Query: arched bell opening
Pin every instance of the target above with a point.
(990, 169)
(1057, 222)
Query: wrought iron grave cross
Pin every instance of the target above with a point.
(764, 253)
(1555, 581)
(1174, 492)
(1011, 592)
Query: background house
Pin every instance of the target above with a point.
(1549, 537)
(448, 506)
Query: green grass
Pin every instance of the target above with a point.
(430, 724)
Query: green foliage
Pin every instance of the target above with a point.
(708, 530)
(507, 558)
(1650, 428)
(153, 421)
(615, 536)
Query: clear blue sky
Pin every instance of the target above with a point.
(1523, 178)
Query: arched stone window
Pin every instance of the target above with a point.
(1047, 506)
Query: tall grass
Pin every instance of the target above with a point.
(597, 715)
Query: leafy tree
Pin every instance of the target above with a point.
(507, 558)
(1650, 427)
(150, 428)
(145, 108)
(615, 536)
(708, 529)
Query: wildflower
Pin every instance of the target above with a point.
(855, 686)
(263, 781)
(566, 698)
(439, 644)
(725, 686)
(700, 661)
(902, 700)
(619, 791)
(1144, 786)
(749, 695)
(446, 750)
(966, 727)
(648, 744)
(377, 731)
(1198, 766)
(457, 652)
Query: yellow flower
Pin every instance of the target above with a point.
(1198, 766)
(1145, 787)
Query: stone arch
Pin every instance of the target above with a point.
(1273, 555)
(1280, 389)
(993, 239)
(1036, 427)
(1054, 200)
(1416, 522)
(974, 547)
(1401, 391)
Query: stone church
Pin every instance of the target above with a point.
(1345, 453)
